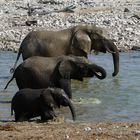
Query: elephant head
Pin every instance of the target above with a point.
(101, 44)
(78, 70)
(88, 38)
(58, 98)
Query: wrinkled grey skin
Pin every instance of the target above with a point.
(29, 103)
(79, 41)
(42, 72)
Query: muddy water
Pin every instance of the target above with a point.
(112, 99)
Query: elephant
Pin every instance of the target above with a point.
(79, 40)
(29, 103)
(42, 72)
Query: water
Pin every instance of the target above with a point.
(112, 99)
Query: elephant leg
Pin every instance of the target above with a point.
(45, 116)
(65, 84)
(19, 117)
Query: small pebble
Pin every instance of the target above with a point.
(87, 129)
(66, 136)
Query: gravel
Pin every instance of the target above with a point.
(120, 18)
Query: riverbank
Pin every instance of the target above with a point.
(121, 19)
(70, 131)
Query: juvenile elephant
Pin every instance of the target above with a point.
(42, 72)
(79, 40)
(29, 103)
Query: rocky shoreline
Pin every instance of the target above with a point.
(121, 19)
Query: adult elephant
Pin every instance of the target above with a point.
(79, 40)
(42, 72)
(29, 103)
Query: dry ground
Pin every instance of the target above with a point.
(70, 131)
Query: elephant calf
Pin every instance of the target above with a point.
(42, 72)
(30, 103)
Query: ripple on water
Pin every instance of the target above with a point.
(87, 101)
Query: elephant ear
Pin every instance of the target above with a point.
(66, 68)
(97, 45)
(47, 98)
(81, 43)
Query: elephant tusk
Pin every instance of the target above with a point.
(99, 73)
(107, 48)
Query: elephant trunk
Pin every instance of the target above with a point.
(72, 109)
(98, 71)
(65, 101)
(62, 99)
(112, 48)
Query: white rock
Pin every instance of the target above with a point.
(87, 129)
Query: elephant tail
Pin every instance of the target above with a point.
(13, 69)
(9, 81)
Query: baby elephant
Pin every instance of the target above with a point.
(29, 103)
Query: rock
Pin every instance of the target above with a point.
(122, 25)
(136, 16)
(135, 48)
(66, 137)
(87, 129)
(136, 132)
(126, 10)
